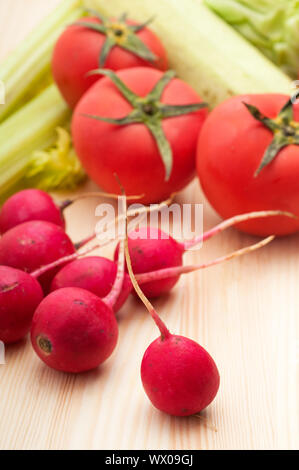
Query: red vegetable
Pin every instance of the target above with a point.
(151, 249)
(95, 42)
(73, 330)
(142, 125)
(95, 274)
(34, 204)
(28, 205)
(252, 164)
(178, 375)
(20, 294)
(32, 245)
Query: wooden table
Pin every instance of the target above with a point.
(244, 312)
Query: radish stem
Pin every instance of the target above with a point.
(178, 270)
(231, 222)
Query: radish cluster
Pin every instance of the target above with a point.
(69, 304)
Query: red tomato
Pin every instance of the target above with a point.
(131, 151)
(78, 50)
(230, 149)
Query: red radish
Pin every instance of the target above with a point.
(28, 205)
(47, 271)
(35, 204)
(152, 250)
(179, 376)
(73, 330)
(20, 294)
(97, 274)
(143, 125)
(95, 42)
(32, 245)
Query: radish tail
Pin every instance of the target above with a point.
(165, 333)
(113, 295)
(231, 222)
(131, 213)
(62, 261)
(178, 270)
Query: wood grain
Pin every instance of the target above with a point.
(244, 312)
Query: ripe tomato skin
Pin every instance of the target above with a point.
(230, 149)
(131, 151)
(77, 52)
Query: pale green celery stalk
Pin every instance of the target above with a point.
(31, 129)
(271, 25)
(27, 69)
(205, 51)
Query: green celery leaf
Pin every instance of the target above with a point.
(56, 168)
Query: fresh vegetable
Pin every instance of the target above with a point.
(151, 249)
(204, 51)
(33, 155)
(136, 123)
(253, 163)
(32, 245)
(216, 65)
(270, 25)
(179, 376)
(73, 330)
(167, 273)
(95, 274)
(35, 204)
(28, 205)
(20, 294)
(102, 42)
(26, 71)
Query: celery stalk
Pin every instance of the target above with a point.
(27, 69)
(270, 25)
(30, 129)
(206, 52)
(31, 153)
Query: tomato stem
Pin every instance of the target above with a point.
(285, 131)
(150, 111)
(119, 33)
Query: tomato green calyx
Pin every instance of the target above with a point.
(150, 111)
(119, 33)
(284, 128)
